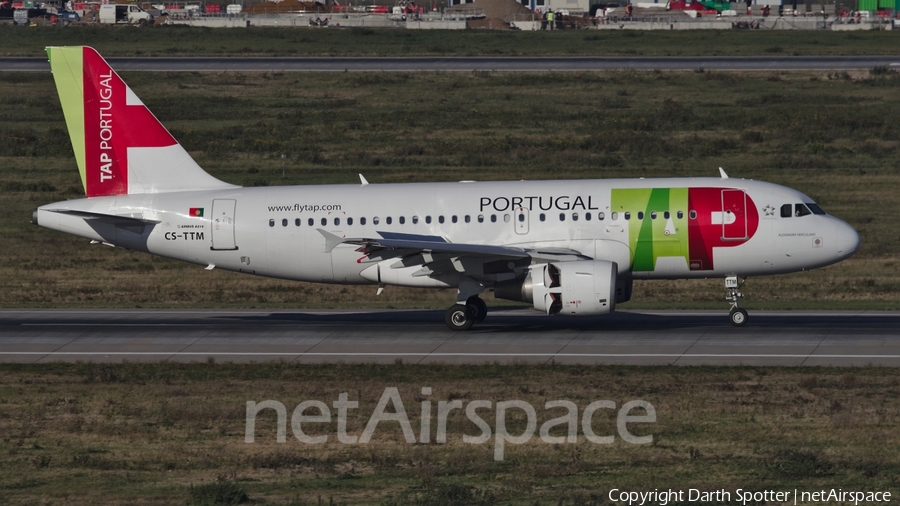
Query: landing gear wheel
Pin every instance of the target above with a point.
(738, 317)
(478, 307)
(459, 317)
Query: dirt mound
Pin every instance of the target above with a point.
(488, 24)
(505, 10)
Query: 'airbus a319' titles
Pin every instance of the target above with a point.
(567, 247)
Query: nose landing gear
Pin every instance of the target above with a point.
(737, 315)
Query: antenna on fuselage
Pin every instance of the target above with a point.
(722, 173)
(362, 180)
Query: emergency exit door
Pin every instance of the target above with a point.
(521, 220)
(223, 224)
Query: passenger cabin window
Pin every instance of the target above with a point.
(640, 215)
(441, 218)
(542, 217)
(493, 218)
(693, 214)
(271, 223)
(375, 220)
(297, 222)
(574, 216)
(480, 218)
(506, 218)
(627, 215)
(587, 216)
(562, 216)
(468, 219)
(362, 221)
(349, 221)
(601, 216)
(454, 219)
(652, 215)
(614, 216)
(402, 220)
(337, 221)
(680, 215)
(667, 215)
(787, 211)
(388, 220)
(311, 222)
(415, 220)
(428, 219)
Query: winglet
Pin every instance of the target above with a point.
(331, 241)
(362, 180)
(722, 173)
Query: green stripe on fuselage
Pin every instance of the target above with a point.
(648, 238)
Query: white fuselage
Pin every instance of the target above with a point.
(275, 231)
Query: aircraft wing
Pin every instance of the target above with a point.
(393, 245)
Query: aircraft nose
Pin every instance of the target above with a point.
(846, 240)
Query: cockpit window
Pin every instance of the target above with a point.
(801, 210)
(815, 209)
(787, 211)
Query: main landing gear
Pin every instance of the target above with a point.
(463, 316)
(737, 315)
(469, 308)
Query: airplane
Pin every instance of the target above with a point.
(567, 247)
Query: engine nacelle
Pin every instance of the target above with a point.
(586, 287)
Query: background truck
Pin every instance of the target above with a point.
(131, 14)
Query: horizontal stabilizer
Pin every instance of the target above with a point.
(105, 218)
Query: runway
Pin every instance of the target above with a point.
(471, 64)
(820, 338)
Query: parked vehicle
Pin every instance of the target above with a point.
(130, 14)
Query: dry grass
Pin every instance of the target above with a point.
(143, 434)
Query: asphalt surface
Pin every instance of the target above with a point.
(469, 64)
(648, 337)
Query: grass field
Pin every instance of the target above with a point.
(832, 135)
(188, 41)
(132, 434)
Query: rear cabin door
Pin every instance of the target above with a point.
(734, 215)
(223, 224)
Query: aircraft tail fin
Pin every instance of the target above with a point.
(120, 146)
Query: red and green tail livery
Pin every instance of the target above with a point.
(120, 146)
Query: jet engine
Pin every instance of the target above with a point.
(585, 287)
